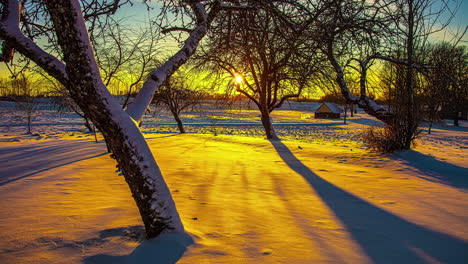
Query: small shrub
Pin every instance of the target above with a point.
(386, 139)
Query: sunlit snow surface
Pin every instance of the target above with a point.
(317, 196)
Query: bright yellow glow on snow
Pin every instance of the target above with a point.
(239, 197)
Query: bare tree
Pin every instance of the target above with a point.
(403, 130)
(125, 54)
(413, 21)
(435, 92)
(80, 73)
(349, 34)
(355, 34)
(263, 58)
(177, 97)
(25, 98)
(447, 81)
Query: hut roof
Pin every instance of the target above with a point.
(328, 108)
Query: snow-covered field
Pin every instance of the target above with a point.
(316, 196)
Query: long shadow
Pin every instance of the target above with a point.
(365, 121)
(49, 168)
(134, 232)
(435, 170)
(447, 126)
(161, 134)
(384, 237)
(42, 124)
(166, 249)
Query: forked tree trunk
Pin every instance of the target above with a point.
(121, 133)
(79, 72)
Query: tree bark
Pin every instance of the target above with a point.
(410, 107)
(267, 124)
(29, 124)
(345, 113)
(455, 119)
(137, 108)
(364, 102)
(87, 123)
(121, 132)
(179, 122)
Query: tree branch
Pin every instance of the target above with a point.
(171, 29)
(283, 99)
(138, 107)
(13, 37)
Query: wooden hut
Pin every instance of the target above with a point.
(328, 110)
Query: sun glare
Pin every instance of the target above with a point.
(239, 79)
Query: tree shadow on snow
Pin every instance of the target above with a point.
(448, 126)
(135, 232)
(7, 181)
(383, 236)
(435, 170)
(160, 135)
(365, 121)
(165, 249)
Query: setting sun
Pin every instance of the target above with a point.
(239, 79)
(220, 131)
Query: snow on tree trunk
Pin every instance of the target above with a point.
(137, 108)
(120, 131)
(364, 102)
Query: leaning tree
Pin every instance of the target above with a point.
(75, 66)
(355, 34)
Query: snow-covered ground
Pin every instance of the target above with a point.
(316, 196)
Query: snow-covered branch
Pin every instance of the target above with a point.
(12, 36)
(231, 7)
(138, 107)
(171, 29)
(369, 105)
